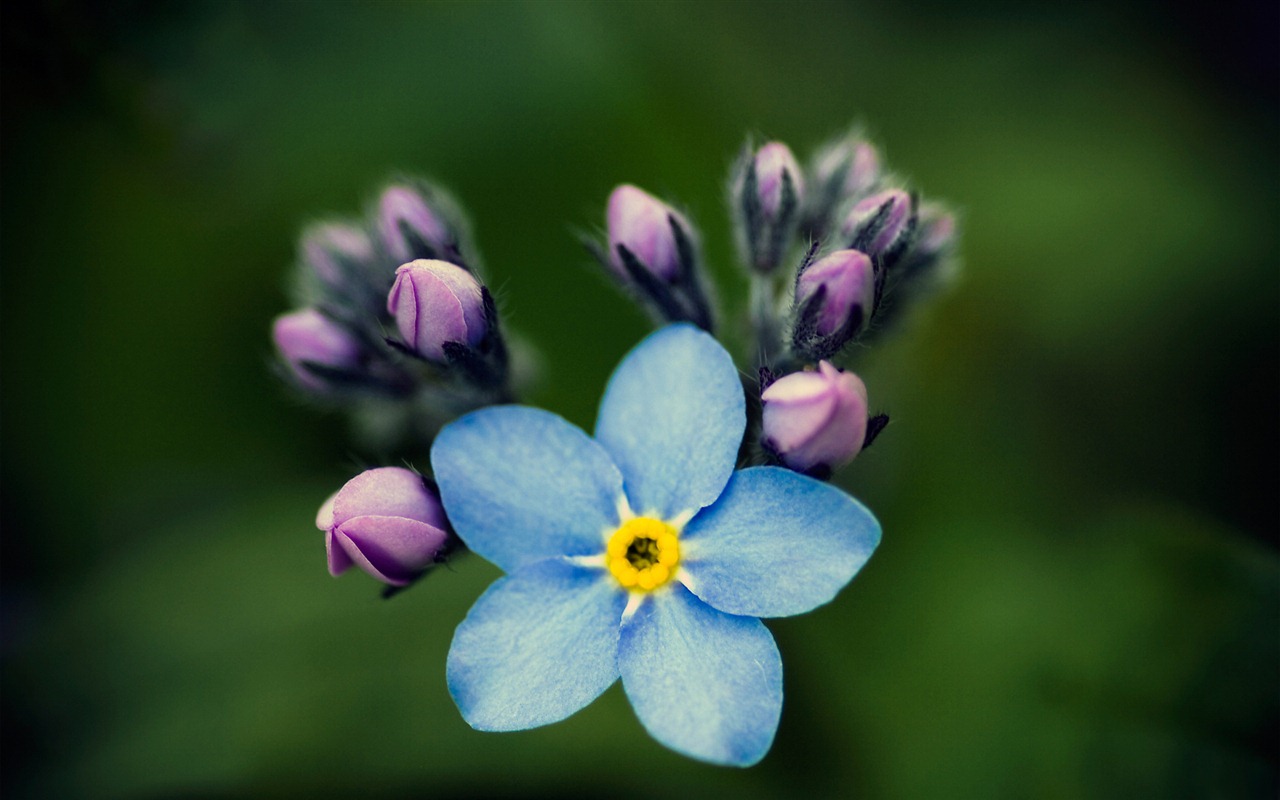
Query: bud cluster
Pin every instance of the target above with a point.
(394, 325)
(862, 246)
(406, 268)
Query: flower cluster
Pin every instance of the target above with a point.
(649, 551)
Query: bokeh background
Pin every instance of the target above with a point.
(1078, 592)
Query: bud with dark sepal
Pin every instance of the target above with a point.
(651, 250)
(937, 229)
(926, 267)
(342, 269)
(815, 421)
(767, 191)
(446, 316)
(851, 166)
(415, 220)
(641, 224)
(835, 297)
(388, 521)
(435, 302)
(335, 251)
(882, 226)
(931, 257)
(844, 170)
(317, 351)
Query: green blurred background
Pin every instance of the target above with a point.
(1078, 592)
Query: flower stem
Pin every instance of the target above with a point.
(765, 323)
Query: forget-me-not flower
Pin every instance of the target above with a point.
(639, 554)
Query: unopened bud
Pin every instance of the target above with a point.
(641, 223)
(927, 266)
(841, 172)
(815, 421)
(775, 166)
(410, 228)
(307, 339)
(334, 250)
(881, 225)
(841, 289)
(388, 522)
(435, 303)
(937, 230)
(849, 167)
(768, 188)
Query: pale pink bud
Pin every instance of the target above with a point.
(387, 521)
(815, 420)
(308, 337)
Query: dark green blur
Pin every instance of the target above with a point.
(1078, 591)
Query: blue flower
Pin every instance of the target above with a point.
(639, 554)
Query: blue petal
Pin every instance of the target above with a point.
(703, 683)
(776, 543)
(536, 647)
(672, 417)
(520, 485)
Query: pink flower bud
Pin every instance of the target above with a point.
(308, 337)
(771, 161)
(385, 520)
(329, 248)
(405, 216)
(937, 229)
(435, 302)
(848, 281)
(884, 222)
(815, 420)
(639, 221)
(854, 163)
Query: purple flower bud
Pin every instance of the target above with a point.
(937, 229)
(639, 221)
(387, 521)
(848, 281)
(815, 420)
(435, 302)
(405, 219)
(328, 247)
(771, 162)
(307, 336)
(880, 224)
(768, 190)
(853, 164)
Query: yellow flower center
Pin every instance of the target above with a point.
(643, 553)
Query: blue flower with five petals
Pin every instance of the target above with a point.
(639, 554)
